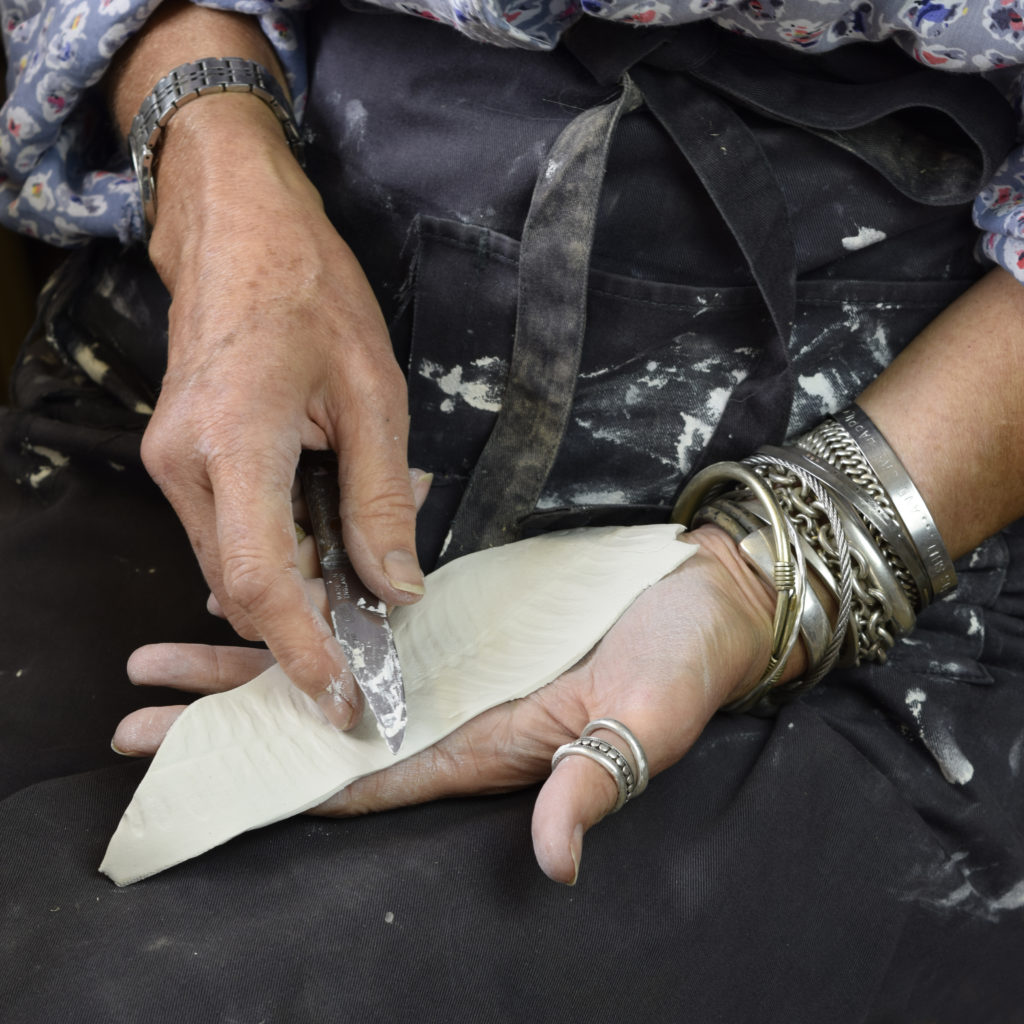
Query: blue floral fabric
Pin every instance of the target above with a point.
(54, 186)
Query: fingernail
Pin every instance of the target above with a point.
(124, 753)
(306, 561)
(421, 482)
(335, 708)
(403, 572)
(576, 851)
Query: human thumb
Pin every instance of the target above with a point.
(577, 795)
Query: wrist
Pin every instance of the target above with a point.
(211, 197)
(759, 597)
(754, 600)
(208, 78)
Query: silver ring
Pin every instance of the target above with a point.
(628, 783)
(639, 757)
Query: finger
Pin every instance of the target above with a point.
(306, 560)
(315, 592)
(308, 565)
(378, 509)
(186, 486)
(258, 554)
(492, 753)
(420, 482)
(197, 668)
(141, 732)
(577, 795)
(419, 479)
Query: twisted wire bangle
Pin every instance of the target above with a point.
(819, 556)
(879, 520)
(873, 589)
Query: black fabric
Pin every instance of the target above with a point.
(815, 867)
(666, 257)
(551, 290)
(860, 858)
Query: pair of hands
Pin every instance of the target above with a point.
(276, 344)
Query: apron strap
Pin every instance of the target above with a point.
(868, 98)
(890, 123)
(554, 266)
(733, 168)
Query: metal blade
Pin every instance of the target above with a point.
(358, 617)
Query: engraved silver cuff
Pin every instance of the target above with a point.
(905, 497)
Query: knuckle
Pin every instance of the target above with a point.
(247, 580)
(302, 666)
(240, 622)
(158, 451)
(392, 507)
(388, 384)
(372, 385)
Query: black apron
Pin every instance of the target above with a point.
(839, 863)
(716, 214)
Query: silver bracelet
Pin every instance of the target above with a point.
(188, 82)
(824, 641)
(879, 519)
(910, 507)
(879, 610)
(788, 572)
(822, 560)
(847, 509)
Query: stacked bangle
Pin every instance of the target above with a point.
(854, 523)
(788, 572)
(880, 468)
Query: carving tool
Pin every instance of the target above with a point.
(358, 617)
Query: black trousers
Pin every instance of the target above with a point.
(857, 858)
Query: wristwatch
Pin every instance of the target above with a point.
(184, 84)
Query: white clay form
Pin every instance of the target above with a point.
(494, 626)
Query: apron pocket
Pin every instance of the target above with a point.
(660, 365)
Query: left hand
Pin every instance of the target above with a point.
(687, 645)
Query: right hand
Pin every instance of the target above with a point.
(276, 344)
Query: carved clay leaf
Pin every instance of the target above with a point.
(494, 626)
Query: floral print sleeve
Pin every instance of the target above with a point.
(63, 178)
(59, 183)
(999, 209)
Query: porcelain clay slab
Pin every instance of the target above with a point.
(494, 626)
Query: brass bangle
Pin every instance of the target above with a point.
(788, 570)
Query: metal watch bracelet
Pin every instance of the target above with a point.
(188, 82)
